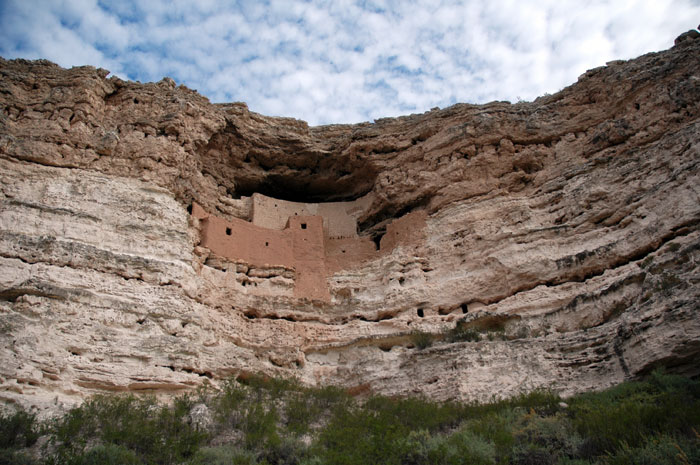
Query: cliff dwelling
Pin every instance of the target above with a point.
(312, 240)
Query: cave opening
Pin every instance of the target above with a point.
(288, 166)
(377, 237)
(304, 187)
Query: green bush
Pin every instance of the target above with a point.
(228, 403)
(18, 430)
(14, 457)
(465, 447)
(462, 447)
(630, 412)
(421, 339)
(260, 426)
(287, 451)
(375, 432)
(498, 427)
(461, 333)
(301, 409)
(358, 436)
(223, 455)
(328, 396)
(544, 439)
(542, 401)
(156, 434)
(657, 450)
(109, 454)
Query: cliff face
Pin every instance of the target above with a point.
(564, 231)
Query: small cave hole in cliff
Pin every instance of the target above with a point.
(465, 308)
(420, 313)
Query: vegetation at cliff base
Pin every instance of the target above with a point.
(256, 420)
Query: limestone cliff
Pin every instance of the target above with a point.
(564, 230)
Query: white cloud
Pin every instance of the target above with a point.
(345, 61)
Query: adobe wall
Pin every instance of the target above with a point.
(339, 218)
(240, 240)
(198, 212)
(306, 233)
(274, 214)
(345, 253)
(300, 246)
(304, 243)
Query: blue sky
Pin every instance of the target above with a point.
(345, 61)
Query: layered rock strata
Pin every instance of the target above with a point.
(564, 231)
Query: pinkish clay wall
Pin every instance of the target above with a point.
(305, 242)
(240, 240)
(343, 254)
(309, 257)
(339, 218)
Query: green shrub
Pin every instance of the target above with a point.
(497, 427)
(673, 246)
(542, 401)
(376, 431)
(300, 410)
(630, 412)
(658, 450)
(414, 449)
(108, 454)
(18, 430)
(223, 455)
(544, 439)
(328, 397)
(461, 333)
(156, 434)
(14, 457)
(287, 451)
(260, 426)
(272, 388)
(462, 447)
(667, 282)
(227, 405)
(421, 339)
(465, 447)
(358, 436)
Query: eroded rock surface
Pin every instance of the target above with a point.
(564, 231)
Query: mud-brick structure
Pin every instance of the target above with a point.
(314, 239)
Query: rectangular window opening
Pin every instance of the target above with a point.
(228, 231)
(303, 225)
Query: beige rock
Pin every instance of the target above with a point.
(564, 230)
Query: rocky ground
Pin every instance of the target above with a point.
(564, 231)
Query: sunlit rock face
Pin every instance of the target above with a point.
(134, 219)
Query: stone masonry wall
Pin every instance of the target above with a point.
(339, 218)
(305, 242)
